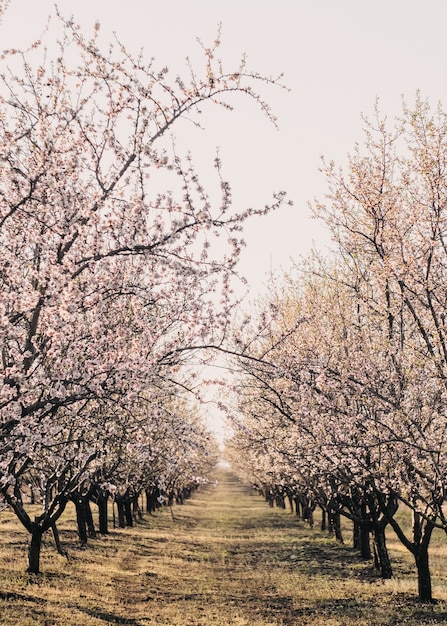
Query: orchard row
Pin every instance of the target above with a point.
(342, 399)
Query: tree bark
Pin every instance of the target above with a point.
(57, 541)
(365, 544)
(382, 510)
(89, 519)
(102, 511)
(381, 551)
(34, 549)
(81, 520)
(151, 500)
(356, 542)
(422, 531)
(424, 577)
(128, 511)
(121, 513)
(323, 518)
(298, 507)
(335, 526)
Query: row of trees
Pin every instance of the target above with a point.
(116, 271)
(342, 398)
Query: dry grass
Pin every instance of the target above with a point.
(226, 559)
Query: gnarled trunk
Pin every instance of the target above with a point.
(34, 549)
(57, 541)
(381, 553)
(382, 509)
(422, 531)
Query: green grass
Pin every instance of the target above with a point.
(226, 559)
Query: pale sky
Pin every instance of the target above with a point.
(337, 56)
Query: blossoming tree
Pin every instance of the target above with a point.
(112, 273)
(362, 378)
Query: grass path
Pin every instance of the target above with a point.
(226, 559)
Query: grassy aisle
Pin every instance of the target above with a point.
(225, 559)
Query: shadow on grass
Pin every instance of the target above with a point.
(109, 618)
(14, 596)
(323, 557)
(400, 610)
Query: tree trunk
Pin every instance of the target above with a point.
(279, 500)
(365, 527)
(297, 507)
(128, 511)
(290, 501)
(323, 518)
(102, 510)
(308, 512)
(151, 500)
(356, 541)
(424, 577)
(57, 541)
(422, 531)
(365, 544)
(89, 519)
(81, 520)
(335, 526)
(35, 546)
(137, 511)
(121, 515)
(381, 551)
(382, 511)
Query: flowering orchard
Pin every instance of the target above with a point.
(343, 398)
(116, 272)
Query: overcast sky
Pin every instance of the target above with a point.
(337, 56)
